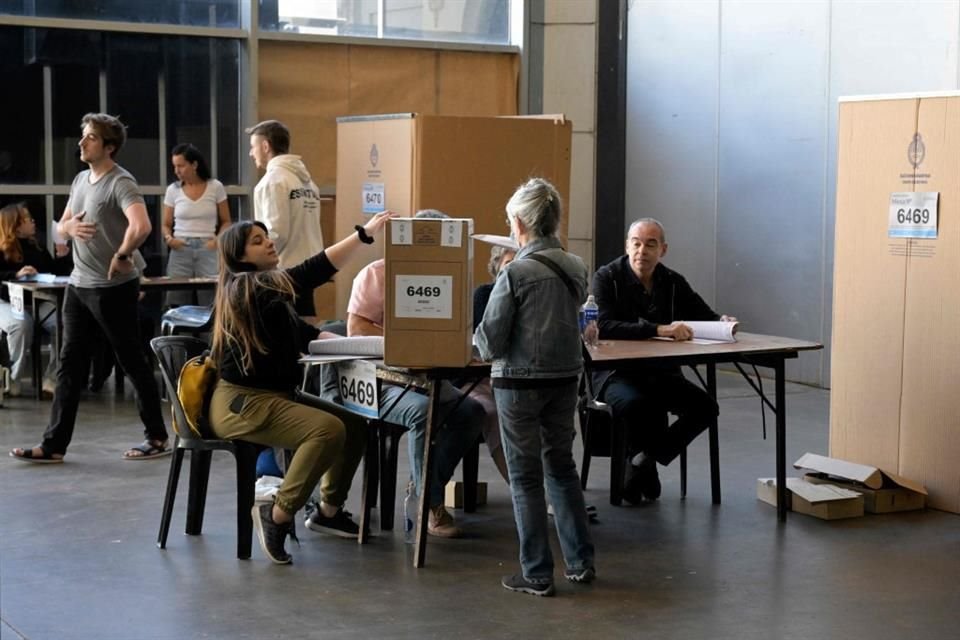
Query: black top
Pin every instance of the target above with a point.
(481, 296)
(284, 334)
(35, 256)
(628, 312)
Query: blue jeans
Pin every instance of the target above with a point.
(537, 430)
(191, 261)
(460, 431)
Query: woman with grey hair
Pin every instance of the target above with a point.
(530, 332)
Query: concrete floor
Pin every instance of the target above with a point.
(78, 559)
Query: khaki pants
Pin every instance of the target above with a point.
(327, 442)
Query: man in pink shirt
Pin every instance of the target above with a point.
(459, 431)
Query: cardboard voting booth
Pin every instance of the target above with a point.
(466, 167)
(896, 297)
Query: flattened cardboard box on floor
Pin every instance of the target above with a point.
(896, 305)
(883, 492)
(823, 501)
(428, 315)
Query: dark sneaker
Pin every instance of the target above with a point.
(581, 576)
(522, 585)
(338, 525)
(642, 480)
(271, 535)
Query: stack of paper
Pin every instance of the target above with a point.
(370, 346)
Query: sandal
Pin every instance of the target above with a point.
(148, 450)
(26, 454)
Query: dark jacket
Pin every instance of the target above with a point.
(628, 312)
(284, 334)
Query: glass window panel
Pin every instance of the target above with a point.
(75, 92)
(21, 148)
(485, 21)
(213, 63)
(132, 65)
(325, 17)
(215, 13)
(231, 142)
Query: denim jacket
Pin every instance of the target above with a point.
(531, 326)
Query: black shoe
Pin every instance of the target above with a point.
(271, 535)
(648, 477)
(338, 525)
(522, 585)
(582, 576)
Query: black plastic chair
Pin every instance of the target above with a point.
(604, 434)
(173, 352)
(191, 319)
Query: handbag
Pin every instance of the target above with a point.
(194, 390)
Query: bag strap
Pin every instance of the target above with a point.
(553, 266)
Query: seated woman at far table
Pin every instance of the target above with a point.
(22, 256)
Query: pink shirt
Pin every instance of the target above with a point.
(366, 296)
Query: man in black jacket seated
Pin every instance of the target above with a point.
(640, 298)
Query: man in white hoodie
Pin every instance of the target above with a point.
(286, 200)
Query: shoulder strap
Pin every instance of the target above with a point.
(553, 266)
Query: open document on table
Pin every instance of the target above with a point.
(710, 332)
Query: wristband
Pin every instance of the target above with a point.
(122, 256)
(362, 234)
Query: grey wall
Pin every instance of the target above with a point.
(731, 139)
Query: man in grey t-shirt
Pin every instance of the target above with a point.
(107, 219)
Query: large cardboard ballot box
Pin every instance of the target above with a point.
(896, 296)
(467, 167)
(428, 300)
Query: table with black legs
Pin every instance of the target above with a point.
(750, 349)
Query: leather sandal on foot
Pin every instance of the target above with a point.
(148, 451)
(26, 454)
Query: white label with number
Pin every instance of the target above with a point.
(373, 197)
(913, 214)
(357, 380)
(424, 297)
(16, 301)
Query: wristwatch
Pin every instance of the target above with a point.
(123, 256)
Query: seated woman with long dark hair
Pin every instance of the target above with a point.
(257, 340)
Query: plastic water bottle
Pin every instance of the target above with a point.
(588, 322)
(410, 504)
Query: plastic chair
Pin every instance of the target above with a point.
(186, 319)
(605, 435)
(173, 352)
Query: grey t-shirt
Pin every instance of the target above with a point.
(104, 202)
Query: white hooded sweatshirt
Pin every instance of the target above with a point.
(288, 202)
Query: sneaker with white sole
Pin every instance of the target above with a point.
(581, 576)
(521, 585)
(340, 524)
